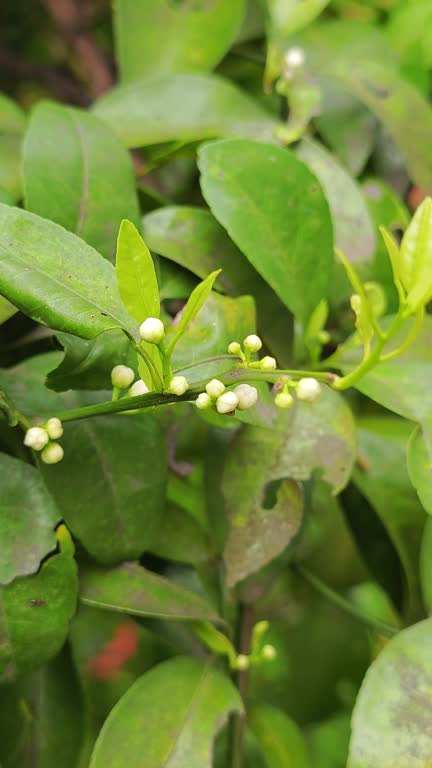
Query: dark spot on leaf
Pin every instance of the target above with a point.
(37, 603)
(377, 90)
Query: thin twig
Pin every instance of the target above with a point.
(246, 623)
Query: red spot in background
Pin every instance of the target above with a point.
(416, 196)
(115, 653)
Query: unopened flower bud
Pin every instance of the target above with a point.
(284, 400)
(54, 427)
(227, 402)
(138, 388)
(152, 330)
(122, 376)
(36, 438)
(178, 385)
(234, 348)
(268, 363)
(203, 401)
(252, 343)
(268, 652)
(242, 662)
(294, 58)
(215, 388)
(52, 454)
(247, 396)
(308, 389)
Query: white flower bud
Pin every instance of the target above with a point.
(252, 343)
(215, 388)
(54, 427)
(308, 389)
(152, 330)
(178, 385)
(247, 396)
(268, 652)
(268, 363)
(203, 401)
(227, 403)
(138, 388)
(52, 454)
(36, 438)
(294, 58)
(234, 348)
(242, 662)
(284, 400)
(122, 376)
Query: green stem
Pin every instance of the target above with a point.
(157, 381)
(125, 404)
(238, 723)
(344, 604)
(411, 336)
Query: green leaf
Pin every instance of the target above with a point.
(129, 588)
(284, 249)
(420, 467)
(12, 127)
(415, 257)
(195, 302)
(136, 276)
(42, 717)
(7, 310)
(86, 182)
(396, 691)
(288, 16)
(8, 409)
(28, 517)
(35, 613)
(87, 364)
(158, 38)
(328, 742)
(353, 230)
(53, 276)
(189, 545)
(182, 108)
(385, 483)
(263, 502)
(192, 698)
(114, 508)
(426, 566)
(280, 739)
(215, 640)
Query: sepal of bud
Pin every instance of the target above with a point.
(152, 330)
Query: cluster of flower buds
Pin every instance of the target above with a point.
(267, 653)
(307, 390)
(252, 344)
(42, 437)
(227, 401)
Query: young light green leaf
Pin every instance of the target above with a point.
(53, 276)
(426, 565)
(275, 231)
(129, 588)
(85, 182)
(288, 16)
(196, 300)
(420, 467)
(280, 739)
(155, 38)
(397, 689)
(136, 276)
(191, 698)
(215, 640)
(28, 517)
(415, 261)
(393, 253)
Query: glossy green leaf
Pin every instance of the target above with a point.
(385, 483)
(182, 108)
(129, 588)
(53, 276)
(7, 310)
(409, 26)
(136, 276)
(215, 640)
(280, 739)
(285, 233)
(12, 127)
(160, 37)
(426, 566)
(85, 182)
(415, 257)
(328, 742)
(288, 16)
(87, 363)
(192, 698)
(193, 305)
(353, 230)
(42, 717)
(396, 691)
(114, 508)
(420, 467)
(28, 517)
(35, 612)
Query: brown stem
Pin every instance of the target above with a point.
(246, 623)
(71, 24)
